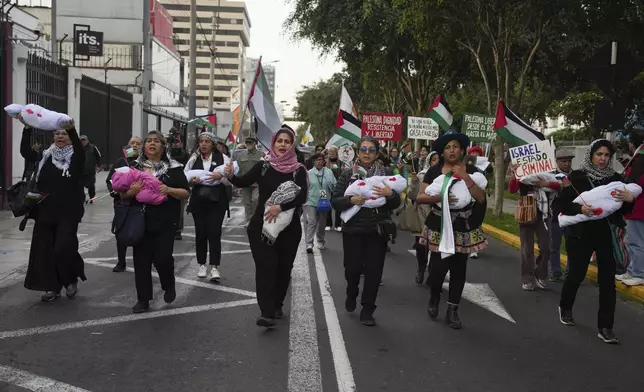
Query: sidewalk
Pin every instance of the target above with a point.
(509, 205)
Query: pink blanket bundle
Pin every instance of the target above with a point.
(124, 177)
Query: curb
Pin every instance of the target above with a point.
(635, 293)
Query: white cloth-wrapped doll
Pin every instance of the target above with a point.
(38, 117)
(602, 201)
(204, 175)
(365, 188)
(445, 185)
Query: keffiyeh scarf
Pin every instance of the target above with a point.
(593, 172)
(160, 168)
(284, 193)
(61, 157)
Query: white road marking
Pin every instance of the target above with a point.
(343, 370)
(225, 226)
(33, 382)
(211, 286)
(123, 319)
(304, 374)
(224, 241)
(223, 252)
(482, 295)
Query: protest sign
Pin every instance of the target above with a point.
(382, 126)
(346, 154)
(479, 128)
(533, 158)
(422, 128)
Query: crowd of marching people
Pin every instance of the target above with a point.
(285, 196)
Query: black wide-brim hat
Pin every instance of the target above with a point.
(452, 134)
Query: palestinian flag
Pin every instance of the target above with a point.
(441, 113)
(514, 130)
(260, 104)
(230, 140)
(348, 127)
(209, 121)
(129, 152)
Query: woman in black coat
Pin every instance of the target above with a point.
(592, 236)
(161, 221)
(208, 205)
(364, 237)
(54, 261)
(131, 155)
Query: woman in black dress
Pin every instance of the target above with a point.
(208, 205)
(131, 155)
(273, 263)
(468, 236)
(161, 221)
(54, 261)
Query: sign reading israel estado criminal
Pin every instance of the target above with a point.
(478, 127)
(533, 158)
(422, 128)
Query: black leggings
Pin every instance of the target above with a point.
(155, 249)
(457, 267)
(364, 253)
(209, 217)
(422, 256)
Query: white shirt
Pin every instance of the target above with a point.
(207, 162)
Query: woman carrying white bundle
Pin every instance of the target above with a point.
(466, 223)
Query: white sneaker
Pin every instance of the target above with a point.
(339, 229)
(623, 277)
(474, 255)
(542, 284)
(203, 271)
(328, 228)
(215, 276)
(528, 286)
(634, 282)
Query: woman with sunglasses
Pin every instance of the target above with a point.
(364, 242)
(592, 236)
(468, 237)
(54, 261)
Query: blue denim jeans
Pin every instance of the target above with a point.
(635, 244)
(555, 252)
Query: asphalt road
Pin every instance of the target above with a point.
(207, 340)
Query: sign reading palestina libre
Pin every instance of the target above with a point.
(479, 127)
(382, 126)
(533, 158)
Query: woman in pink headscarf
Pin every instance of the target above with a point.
(274, 259)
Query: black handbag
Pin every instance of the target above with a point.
(23, 196)
(128, 224)
(387, 227)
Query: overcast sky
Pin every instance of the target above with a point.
(299, 64)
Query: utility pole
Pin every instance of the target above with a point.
(54, 39)
(211, 90)
(192, 92)
(147, 66)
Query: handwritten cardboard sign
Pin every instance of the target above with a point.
(533, 158)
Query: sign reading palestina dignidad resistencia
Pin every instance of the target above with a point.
(533, 158)
(382, 126)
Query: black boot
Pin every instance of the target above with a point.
(452, 316)
(366, 316)
(119, 267)
(432, 307)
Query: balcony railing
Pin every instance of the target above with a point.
(123, 57)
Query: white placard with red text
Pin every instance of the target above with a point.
(533, 158)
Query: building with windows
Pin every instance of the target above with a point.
(269, 72)
(232, 37)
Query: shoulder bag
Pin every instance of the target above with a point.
(526, 211)
(128, 224)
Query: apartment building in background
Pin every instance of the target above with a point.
(251, 69)
(231, 40)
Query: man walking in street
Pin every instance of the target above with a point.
(564, 158)
(32, 166)
(246, 162)
(92, 167)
